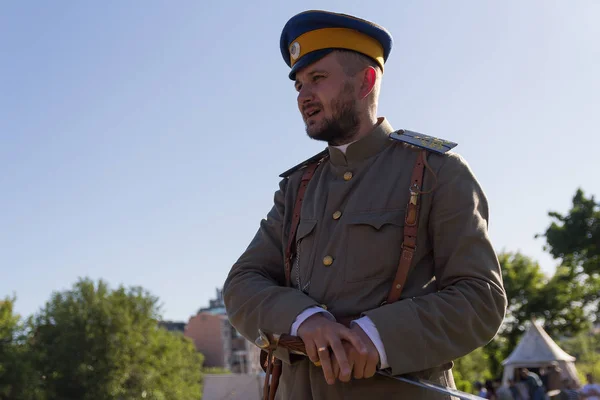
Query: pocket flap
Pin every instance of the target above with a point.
(377, 219)
(305, 227)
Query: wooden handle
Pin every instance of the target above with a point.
(292, 343)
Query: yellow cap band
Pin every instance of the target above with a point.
(340, 38)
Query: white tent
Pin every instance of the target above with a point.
(536, 349)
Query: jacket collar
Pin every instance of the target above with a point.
(365, 147)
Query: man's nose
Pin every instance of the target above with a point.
(305, 95)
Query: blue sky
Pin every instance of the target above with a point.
(141, 142)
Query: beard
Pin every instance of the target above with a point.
(343, 124)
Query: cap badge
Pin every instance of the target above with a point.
(295, 50)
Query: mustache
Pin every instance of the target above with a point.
(311, 105)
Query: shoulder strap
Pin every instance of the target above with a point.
(314, 159)
(272, 365)
(423, 141)
(411, 225)
(290, 249)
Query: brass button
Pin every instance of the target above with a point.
(337, 215)
(323, 306)
(347, 176)
(327, 261)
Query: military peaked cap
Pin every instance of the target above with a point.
(311, 35)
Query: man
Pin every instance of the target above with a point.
(480, 389)
(514, 390)
(569, 390)
(591, 390)
(535, 387)
(389, 265)
(503, 392)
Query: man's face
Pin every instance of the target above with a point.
(523, 373)
(328, 101)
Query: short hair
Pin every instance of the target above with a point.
(353, 62)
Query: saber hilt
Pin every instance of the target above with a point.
(295, 345)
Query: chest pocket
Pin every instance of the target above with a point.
(373, 245)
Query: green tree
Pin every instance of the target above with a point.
(17, 377)
(585, 347)
(8, 327)
(471, 368)
(523, 280)
(574, 238)
(557, 301)
(567, 300)
(561, 304)
(94, 343)
(216, 371)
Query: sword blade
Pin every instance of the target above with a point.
(431, 386)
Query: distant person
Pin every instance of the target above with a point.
(568, 391)
(490, 390)
(514, 390)
(543, 374)
(535, 388)
(591, 390)
(480, 390)
(503, 392)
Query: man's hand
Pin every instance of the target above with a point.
(320, 334)
(362, 365)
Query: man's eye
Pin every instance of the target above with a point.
(317, 77)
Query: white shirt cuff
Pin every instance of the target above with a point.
(307, 313)
(371, 330)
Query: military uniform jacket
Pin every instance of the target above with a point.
(348, 246)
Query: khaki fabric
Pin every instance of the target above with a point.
(453, 300)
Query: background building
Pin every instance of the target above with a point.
(221, 345)
(173, 326)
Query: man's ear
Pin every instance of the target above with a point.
(368, 81)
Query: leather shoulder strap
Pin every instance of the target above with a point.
(271, 365)
(411, 225)
(290, 249)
